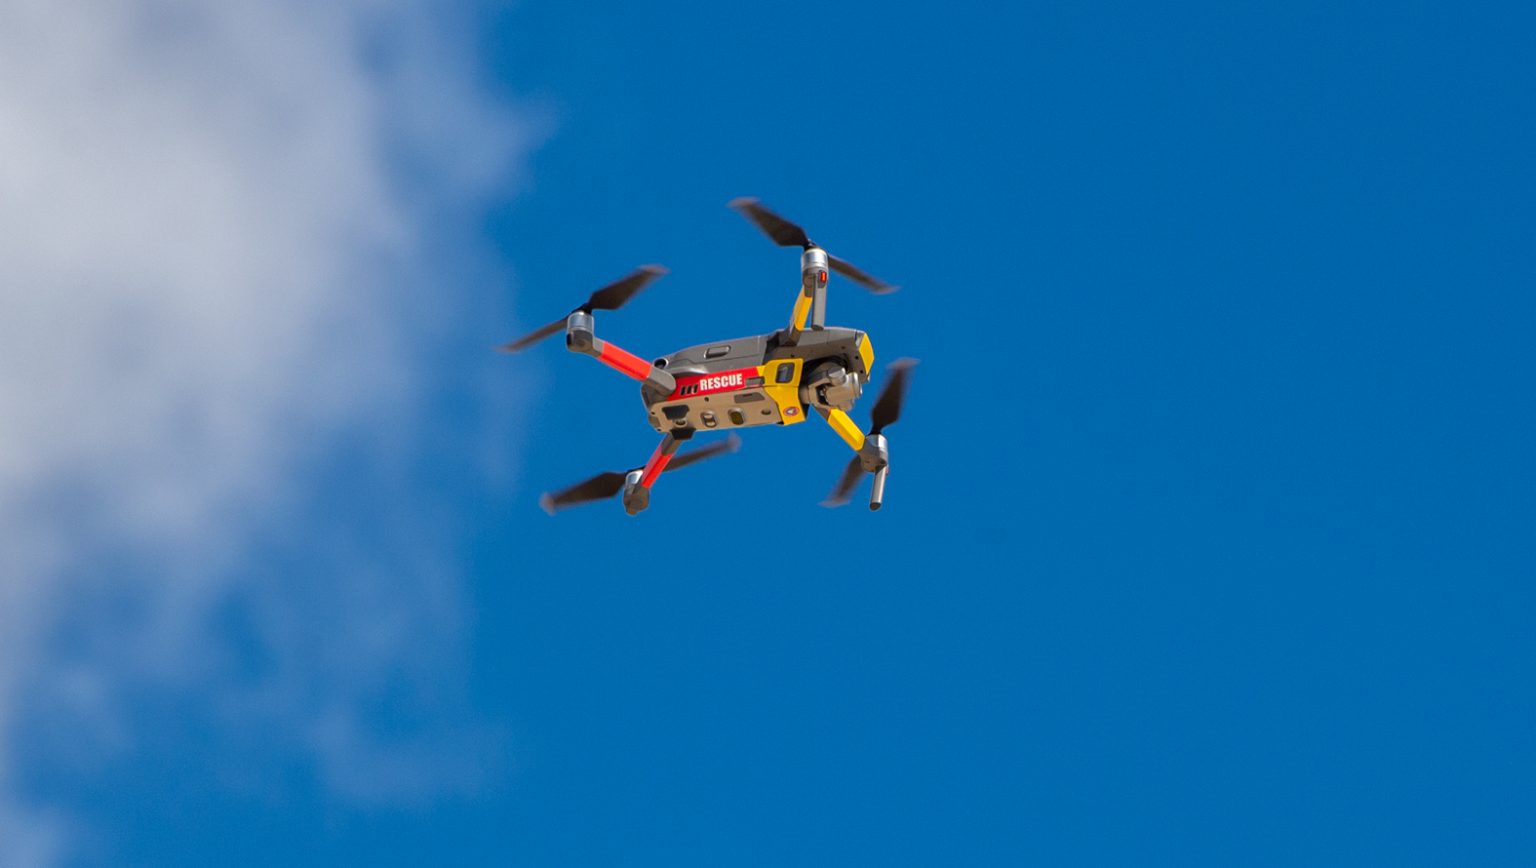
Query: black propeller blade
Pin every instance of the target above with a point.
(599, 487)
(787, 234)
(533, 337)
(840, 492)
(783, 232)
(886, 411)
(693, 456)
(606, 485)
(611, 297)
(616, 294)
(862, 278)
(888, 406)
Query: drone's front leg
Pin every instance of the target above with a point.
(580, 339)
(637, 487)
(874, 453)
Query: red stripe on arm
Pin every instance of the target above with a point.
(624, 362)
(658, 463)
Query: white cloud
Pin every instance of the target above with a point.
(211, 215)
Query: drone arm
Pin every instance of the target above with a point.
(844, 425)
(874, 453)
(798, 316)
(579, 339)
(637, 493)
(811, 303)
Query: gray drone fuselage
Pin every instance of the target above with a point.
(759, 380)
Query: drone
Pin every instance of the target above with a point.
(771, 379)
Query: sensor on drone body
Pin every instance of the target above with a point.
(771, 379)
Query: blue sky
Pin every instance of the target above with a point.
(1209, 531)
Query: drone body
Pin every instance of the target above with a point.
(771, 379)
(759, 380)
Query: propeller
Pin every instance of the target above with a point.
(693, 456)
(886, 411)
(787, 234)
(606, 485)
(611, 297)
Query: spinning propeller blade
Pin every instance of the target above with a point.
(888, 406)
(616, 294)
(840, 492)
(533, 337)
(783, 232)
(787, 234)
(606, 485)
(730, 444)
(611, 297)
(862, 278)
(599, 487)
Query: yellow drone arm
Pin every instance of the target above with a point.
(800, 314)
(845, 427)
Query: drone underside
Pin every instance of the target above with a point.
(759, 380)
(772, 379)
